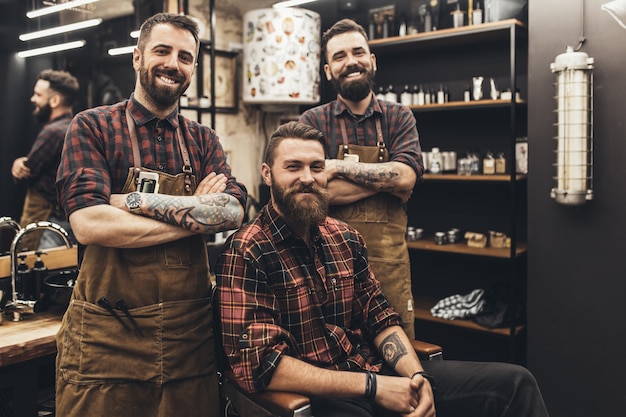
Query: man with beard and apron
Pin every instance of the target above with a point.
(53, 96)
(375, 160)
(141, 185)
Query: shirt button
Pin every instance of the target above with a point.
(159, 138)
(161, 167)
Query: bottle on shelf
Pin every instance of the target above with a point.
(371, 27)
(391, 95)
(414, 95)
(500, 164)
(381, 94)
(489, 164)
(435, 161)
(406, 97)
(477, 15)
(421, 98)
(467, 94)
(402, 29)
(441, 95)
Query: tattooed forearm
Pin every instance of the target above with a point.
(207, 213)
(392, 349)
(380, 177)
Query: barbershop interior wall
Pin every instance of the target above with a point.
(576, 271)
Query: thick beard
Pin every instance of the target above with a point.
(42, 114)
(314, 212)
(160, 95)
(354, 90)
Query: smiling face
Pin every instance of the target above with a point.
(41, 100)
(165, 67)
(350, 65)
(298, 182)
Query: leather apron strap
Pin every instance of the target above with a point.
(187, 170)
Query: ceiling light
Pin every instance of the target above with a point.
(122, 50)
(134, 34)
(60, 29)
(61, 6)
(290, 3)
(50, 49)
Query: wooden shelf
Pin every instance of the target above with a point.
(427, 243)
(452, 37)
(472, 178)
(422, 312)
(464, 105)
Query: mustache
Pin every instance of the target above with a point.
(353, 68)
(307, 188)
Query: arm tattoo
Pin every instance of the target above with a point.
(374, 176)
(202, 214)
(392, 349)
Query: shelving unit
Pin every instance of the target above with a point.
(470, 202)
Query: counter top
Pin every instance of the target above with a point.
(33, 337)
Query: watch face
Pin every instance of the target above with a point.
(133, 200)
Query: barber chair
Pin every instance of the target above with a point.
(238, 403)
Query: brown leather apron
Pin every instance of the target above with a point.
(166, 364)
(36, 208)
(382, 221)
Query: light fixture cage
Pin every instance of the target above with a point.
(574, 153)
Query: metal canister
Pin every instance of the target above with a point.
(440, 238)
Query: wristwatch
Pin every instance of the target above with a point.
(133, 202)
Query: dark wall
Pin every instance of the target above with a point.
(577, 285)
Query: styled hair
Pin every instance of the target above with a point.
(177, 20)
(63, 83)
(341, 27)
(290, 130)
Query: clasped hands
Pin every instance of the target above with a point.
(410, 397)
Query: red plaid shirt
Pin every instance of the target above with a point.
(397, 122)
(98, 153)
(279, 296)
(44, 156)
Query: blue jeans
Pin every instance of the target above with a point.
(464, 389)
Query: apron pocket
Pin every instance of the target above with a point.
(97, 348)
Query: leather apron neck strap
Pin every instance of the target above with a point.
(137, 155)
(379, 136)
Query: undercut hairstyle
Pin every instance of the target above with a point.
(341, 27)
(177, 20)
(290, 130)
(63, 83)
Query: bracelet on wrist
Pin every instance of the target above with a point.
(426, 376)
(370, 386)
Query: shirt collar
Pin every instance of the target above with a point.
(341, 107)
(142, 116)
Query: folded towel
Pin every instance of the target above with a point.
(460, 306)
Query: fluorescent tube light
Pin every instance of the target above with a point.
(57, 8)
(134, 34)
(122, 50)
(52, 48)
(290, 3)
(60, 29)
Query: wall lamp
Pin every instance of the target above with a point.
(60, 29)
(574, 96)
(290, 3)
(51, 49)
(57, 8)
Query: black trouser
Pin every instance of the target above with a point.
(463, 389)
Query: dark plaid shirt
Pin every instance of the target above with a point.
(398, 128)
(280, 296)
(98, 153)
(44, 156)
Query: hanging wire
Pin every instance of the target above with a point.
(581, 39)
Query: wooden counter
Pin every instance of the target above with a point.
(30, 338)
